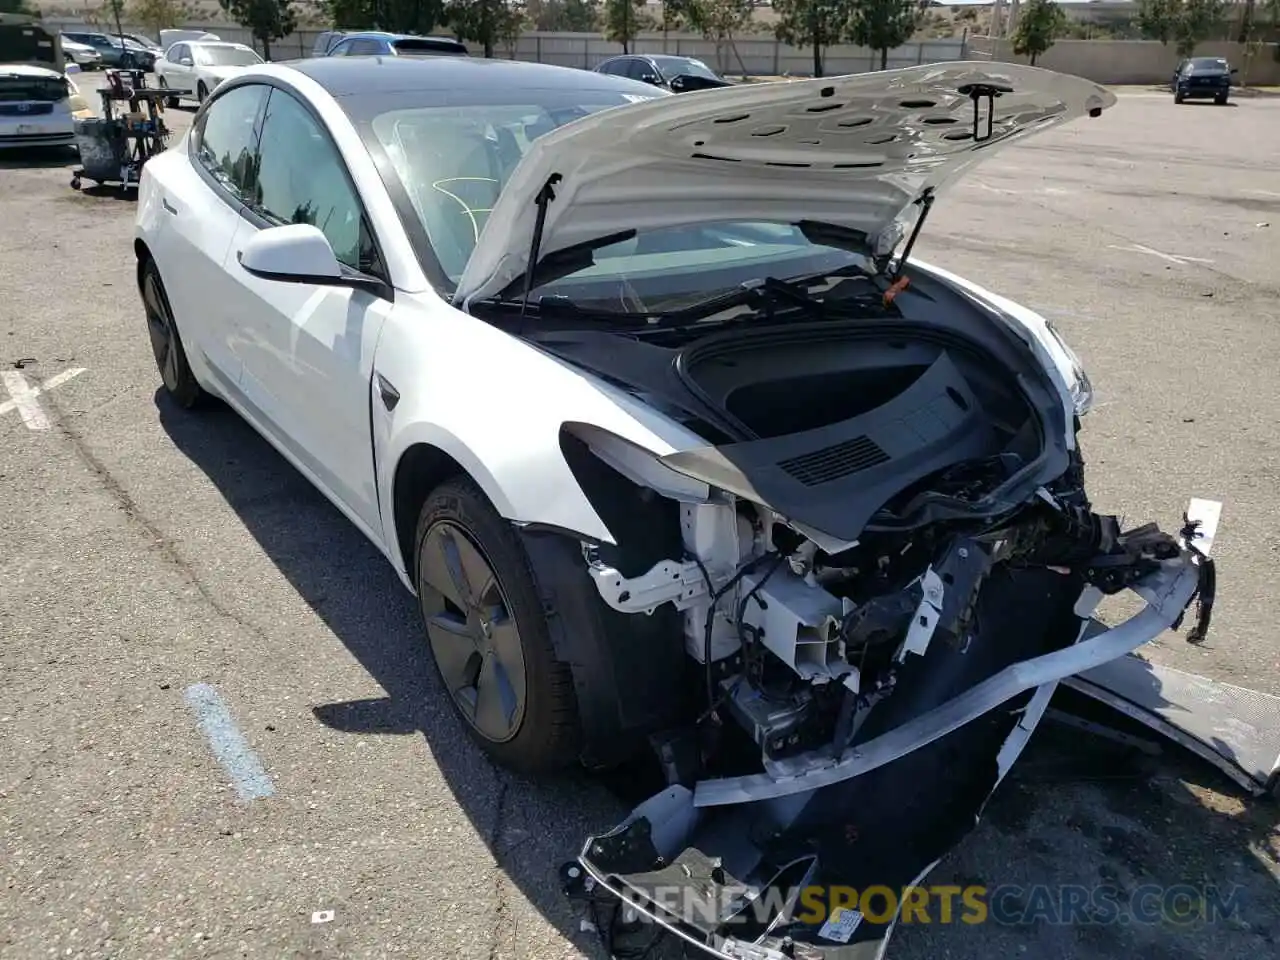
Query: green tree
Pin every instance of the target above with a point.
(570, 16)
(116, 7)
(156, 15)
(813, 23)
(267, 20)
(1158, 19)
(622, 21)
(884, 24)
(1040, 23)
(398, 16)
(1196, 23)
(486, 22)
(716, 20)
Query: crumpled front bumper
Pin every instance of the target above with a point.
(764, 868)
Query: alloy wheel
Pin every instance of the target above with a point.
(164, 335)
(473, 635)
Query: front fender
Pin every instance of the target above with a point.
(495, 404)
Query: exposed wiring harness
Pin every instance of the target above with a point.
(714, 702)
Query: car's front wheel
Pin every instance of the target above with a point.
(1177, 97)
(488, 633)
(166, 344)
(201, 92)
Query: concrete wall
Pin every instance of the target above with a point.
(756, 56)
(1132, 61)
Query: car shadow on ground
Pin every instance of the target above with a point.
(531, 828)
(36, 158)
(1075, 811)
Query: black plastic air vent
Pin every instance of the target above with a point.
(831, 463)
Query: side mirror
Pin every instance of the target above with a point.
(650, 78)
(299, 253)
(1234, 71)
(186, 61)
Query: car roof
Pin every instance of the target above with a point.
(29, 70)
(355, 76)
(215, 43)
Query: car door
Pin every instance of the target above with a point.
(308, 348)
(199, 217)
(177, 67)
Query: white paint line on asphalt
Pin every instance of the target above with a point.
(1177, 258)
(23, 396)
(1265, 193)
(227, 743)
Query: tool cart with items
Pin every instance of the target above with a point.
(115, 146)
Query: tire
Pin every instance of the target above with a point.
(532, 711)
(170, 102)
(166, 344)
(1220, 101)
(1178, 98)
(201, 92)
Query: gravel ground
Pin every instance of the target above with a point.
(143, 554)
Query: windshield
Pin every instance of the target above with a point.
(17, 88)
(675, 66)
(453, 161)
(226, 56)
(1207, 65)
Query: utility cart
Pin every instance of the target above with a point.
(131, 130)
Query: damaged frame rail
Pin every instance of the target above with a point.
(1167, 591)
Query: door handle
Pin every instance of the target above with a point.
(168, 206)
(390, 395)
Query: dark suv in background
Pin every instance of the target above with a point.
(1200, 78)
(116, 51)
(677, 74)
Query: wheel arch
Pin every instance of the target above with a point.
(421, 467)
(141, 253)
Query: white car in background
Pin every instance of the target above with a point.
(38, 107)
(81, 54)
(198, 66)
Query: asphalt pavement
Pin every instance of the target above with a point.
(172, 589)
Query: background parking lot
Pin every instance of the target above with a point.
(146, 551)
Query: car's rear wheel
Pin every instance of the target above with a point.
(166, 344)
(488, 633)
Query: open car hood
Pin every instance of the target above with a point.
(854, 151)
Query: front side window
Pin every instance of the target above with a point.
(224, 142)
(302, 178)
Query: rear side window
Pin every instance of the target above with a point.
(225, 143)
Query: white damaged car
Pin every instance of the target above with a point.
(645, 399)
